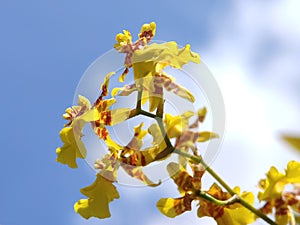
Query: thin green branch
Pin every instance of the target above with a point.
(158, 117)
(204, 195)
(139, 101)
(169, 149)
(160, 109)
(145, 113)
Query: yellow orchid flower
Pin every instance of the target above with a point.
(276, 197)
(136, 157)
(124, 44)
(187, 186)
(98, 115)
(100, 194)
(123, 40)
(151, 59)
(71, 113)
(147, 32)
(176, 125)
(274, 184)
(186, 137)
(105, 116)
(233, 214)
(71, 134)
(129, 157)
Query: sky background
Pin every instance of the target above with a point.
(252, 47)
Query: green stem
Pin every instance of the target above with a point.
(204, 195)
(139, 101)
(145, 113)
(159, 118)
(199, 159)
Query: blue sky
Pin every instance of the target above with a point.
(252, 48)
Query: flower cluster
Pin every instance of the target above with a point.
(170, 134)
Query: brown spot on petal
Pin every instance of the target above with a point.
(106, 117)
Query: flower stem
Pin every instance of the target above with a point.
(199, 159)
(204, 195)
(139, 101)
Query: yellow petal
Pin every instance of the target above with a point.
(206, 135)
(135, 157)
(125, 72)
(137, 173)
(181, 178)
(177, 89)
(115, 91)
(89, 116)
(237, 216)
(202, 114)
(100, 131)
(103, 105)
(124, 91)
(108, 166)
(158, 139)
(143, 69)
(137, 140)
(172, 207)
(148, 31)
(273, 186)
(119, 115)
(293, 172)
(154, 57)
(76, 111)
(112, 145)
(100, 194)
(166, 54)
(66, 155)
(104, 86)
(84, 102)
(187, 140)
(154, 102)
(283, 215)
(138, 132)
(72, 148)
(123, 40)
(175, 125)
